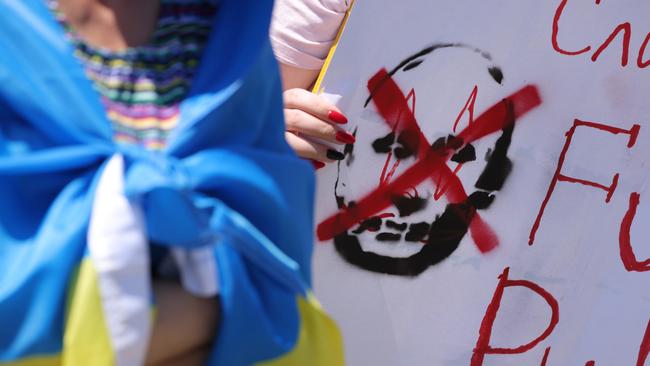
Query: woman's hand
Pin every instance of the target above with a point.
(310, 121)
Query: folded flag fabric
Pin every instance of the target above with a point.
(77, 210)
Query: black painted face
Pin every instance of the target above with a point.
(423, 227)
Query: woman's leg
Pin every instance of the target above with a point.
(184, 327)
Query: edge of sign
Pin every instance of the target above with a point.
(330, 54)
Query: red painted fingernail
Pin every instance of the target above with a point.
(317, 164)
(337, 117)
(344, 137)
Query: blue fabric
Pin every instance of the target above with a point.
(227, 177)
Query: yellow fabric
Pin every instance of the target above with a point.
(86, 340)
(319, 342)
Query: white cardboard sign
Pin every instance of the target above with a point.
(494, 209)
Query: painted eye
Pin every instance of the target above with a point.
(465, 155)
(383, 145)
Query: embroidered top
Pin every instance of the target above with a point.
(141, 87)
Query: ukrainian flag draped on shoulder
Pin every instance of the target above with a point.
(227, 186)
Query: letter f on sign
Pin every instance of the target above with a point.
(559, 177)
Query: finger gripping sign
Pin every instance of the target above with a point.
(492, 209)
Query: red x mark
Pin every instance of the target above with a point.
(393, 107)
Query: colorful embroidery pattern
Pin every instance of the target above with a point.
(142, 87)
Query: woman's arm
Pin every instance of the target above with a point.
(294, 77)
(185, 326)
(302, 33)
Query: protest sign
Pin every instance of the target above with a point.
(493, 208)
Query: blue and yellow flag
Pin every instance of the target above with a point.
(227, 188)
